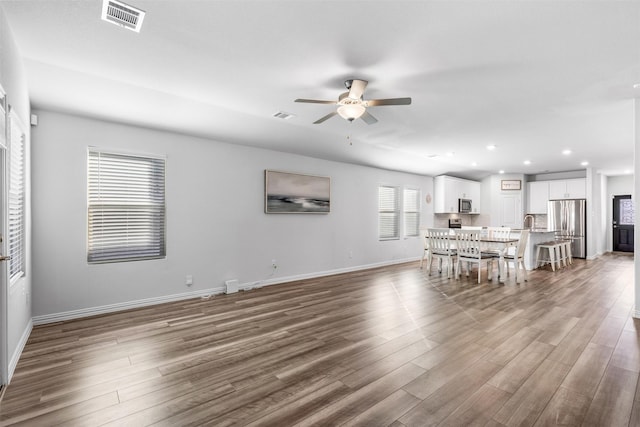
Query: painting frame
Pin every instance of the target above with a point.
(510, 185)
(290, 192)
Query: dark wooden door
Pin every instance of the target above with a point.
(623, 223)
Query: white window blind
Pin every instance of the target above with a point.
(126, 207)
(16, 245)
(388, 213)
(411, 201)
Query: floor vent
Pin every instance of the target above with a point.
(122, 14)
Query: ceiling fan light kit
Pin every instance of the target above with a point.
(352, 106)
(351, 111)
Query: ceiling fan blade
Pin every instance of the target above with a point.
(368, 118)
(357, 88)
(315, 101)
(327, 117)
(392, 101)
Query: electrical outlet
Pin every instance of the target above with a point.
(350, 254)
(274, 264)
(189, 280)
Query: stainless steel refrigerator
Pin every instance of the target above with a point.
(568, 218)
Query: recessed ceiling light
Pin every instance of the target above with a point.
(491, 147)
(627, 171)
(501, 172)
(566, 152)
(474, 164)
(584, 164)
(527, 162)
(450, 153)
(636, 86)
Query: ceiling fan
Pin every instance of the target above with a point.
(351, 106)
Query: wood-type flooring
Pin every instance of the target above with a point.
(389, 346)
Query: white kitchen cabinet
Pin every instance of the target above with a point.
(448, 189)
(538, 197)
(568, 189)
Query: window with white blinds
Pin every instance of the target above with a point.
(16, 245)
(126, 207)
(411, 202)
(388, 213)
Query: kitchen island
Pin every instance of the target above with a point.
(536, 236)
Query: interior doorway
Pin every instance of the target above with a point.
(623, 224)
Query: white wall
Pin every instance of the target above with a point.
(616, 186)
(18, 314)
(216, 225)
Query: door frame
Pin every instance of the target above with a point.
(4, 279)
(614, 225)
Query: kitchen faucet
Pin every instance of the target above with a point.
(524, 221)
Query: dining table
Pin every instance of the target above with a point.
(499, 244)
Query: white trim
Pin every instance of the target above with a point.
(636, 313)
(19, 348)
(103, 309)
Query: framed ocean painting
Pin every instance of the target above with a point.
(287, 192)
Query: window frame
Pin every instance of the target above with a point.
(405, 211)
(16, 198)
(149, 207)
(395, 211)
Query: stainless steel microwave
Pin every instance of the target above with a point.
(464, 205)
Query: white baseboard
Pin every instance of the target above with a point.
(103, 309)
(636, 313)
(19, 348)
(111, 308)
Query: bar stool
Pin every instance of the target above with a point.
(562, 252)
(553, 249)
(568, 253)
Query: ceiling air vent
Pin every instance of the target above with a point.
(122, 15)
(283, 115)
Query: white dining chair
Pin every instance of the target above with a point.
(425, 243)
(469, 251)
(441, 248)
(517, 258)
(498, 233)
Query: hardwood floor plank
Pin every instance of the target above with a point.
(509, 349)
(363, 398)
(614, 399)
(448, 398)
(386, 346)
(566, 408)
(528, 402)
(386, 411)
(518, 370)
(609, 331)
(438, 376)
(586, 373)
(478, 409)
(572, 346)
(626, 355)
(378, 369)
(46, 417)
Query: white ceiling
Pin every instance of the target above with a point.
(531, 77)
